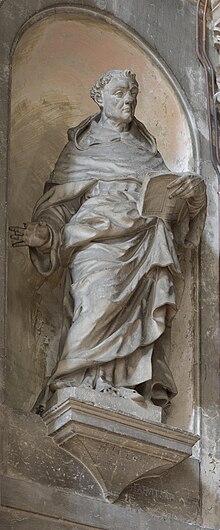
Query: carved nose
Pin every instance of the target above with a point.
(128, 99)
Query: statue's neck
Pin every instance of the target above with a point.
(112, 124)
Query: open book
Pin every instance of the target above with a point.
(155, 198)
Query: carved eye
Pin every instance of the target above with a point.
(119, 93)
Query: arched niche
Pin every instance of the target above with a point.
(54, 63)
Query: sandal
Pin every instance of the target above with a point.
(105, 387)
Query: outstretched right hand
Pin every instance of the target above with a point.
(31, 234)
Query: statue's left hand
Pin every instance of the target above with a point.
(185, 186)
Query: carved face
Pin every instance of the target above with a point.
(119, 99)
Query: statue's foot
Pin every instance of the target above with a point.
(129, 393)
(103, 386)
(87, 382)
(59, 384)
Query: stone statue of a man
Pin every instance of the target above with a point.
(121, 267)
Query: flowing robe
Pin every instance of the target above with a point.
(122, 266)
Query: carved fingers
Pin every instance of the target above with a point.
(17, 236)
(31, 234)
(185, 186)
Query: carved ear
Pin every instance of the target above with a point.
(99, 99)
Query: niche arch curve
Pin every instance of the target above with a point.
(44, 103)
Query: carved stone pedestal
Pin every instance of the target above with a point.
(119, 441)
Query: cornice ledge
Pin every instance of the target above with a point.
(118, 441)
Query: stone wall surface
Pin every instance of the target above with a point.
(42, 485)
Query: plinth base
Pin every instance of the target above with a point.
(119, 441)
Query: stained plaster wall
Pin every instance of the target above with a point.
(37, 477)
(44, 104)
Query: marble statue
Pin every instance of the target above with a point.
(120, 258)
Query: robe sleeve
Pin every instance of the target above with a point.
(55, 208)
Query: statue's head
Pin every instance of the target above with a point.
(115, 93)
